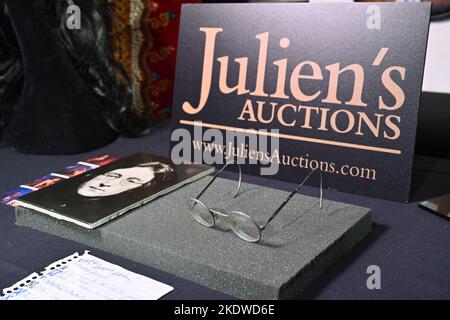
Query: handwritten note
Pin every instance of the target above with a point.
(85, 277)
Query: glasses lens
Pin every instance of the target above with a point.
(201, 213)
(244, 227)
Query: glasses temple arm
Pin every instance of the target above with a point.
(277, 211)
(217, 174)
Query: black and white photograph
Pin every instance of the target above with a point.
(98, 195)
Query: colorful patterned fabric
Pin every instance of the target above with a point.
(145, 36)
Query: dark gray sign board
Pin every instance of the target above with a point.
(340, 82)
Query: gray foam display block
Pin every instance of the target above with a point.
(296, 247)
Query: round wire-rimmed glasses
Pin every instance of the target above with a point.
(241, 224)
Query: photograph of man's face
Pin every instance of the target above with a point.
(123, 179)
(109, 191)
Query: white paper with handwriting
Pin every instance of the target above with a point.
(85, 277)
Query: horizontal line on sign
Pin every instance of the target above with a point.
(291, 137)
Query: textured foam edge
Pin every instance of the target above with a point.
(162, 260)
(357, 232)
(166, 261)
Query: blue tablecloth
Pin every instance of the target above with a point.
(410, 245)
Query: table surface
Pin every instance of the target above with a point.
(410, 245)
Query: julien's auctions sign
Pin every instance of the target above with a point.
(341, 83)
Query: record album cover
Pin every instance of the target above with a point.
(102, 194)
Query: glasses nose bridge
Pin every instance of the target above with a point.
(219, 212)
